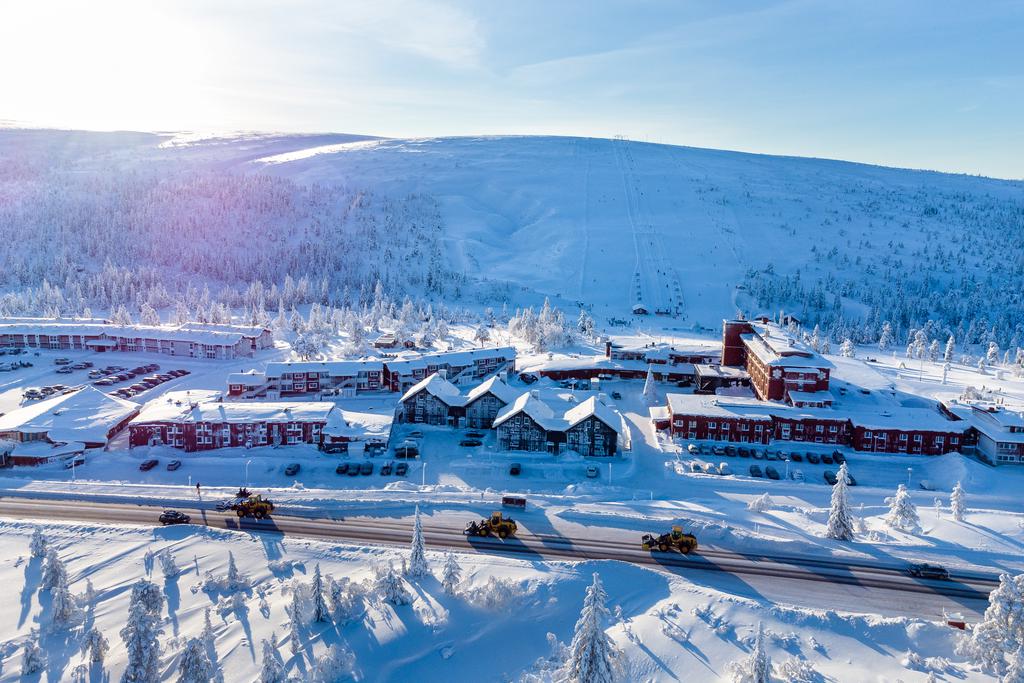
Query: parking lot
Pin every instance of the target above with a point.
(761, 462)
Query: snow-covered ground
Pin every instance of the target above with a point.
(494, 628)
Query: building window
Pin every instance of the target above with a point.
(940, 440)
(954, 440)
(833, 429)
(819, 429)
(867, 435)
(918, 438)
(711, 425)
(903, 437)
(693, 424)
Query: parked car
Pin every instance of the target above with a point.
(385, 469)
(928, 571)
(174, 517)
(718, 450)
(79, 366)
(61, 361)
(138, 388)
(838, 457)
(616, 396)
(592, 472)
(76, 461)
(710, 468)
(65, 370)
(813, 458)
(173, 465)
(474, 435)
(696, 467)
(830, 477)
(796, 475)
(366, 468)
(757, 453)
(402, 469)
(755, 471)
(744, 452)
(771, 455)
(292, 469)
(407, 449)
(693, 448)
(353, 470)
(730, 451)
(515, 469)
(827, 459)
(850, 481)
(342, 468)
(470, 443)
(772, 473)
(796, 457)
(723, 468)
(147, 465)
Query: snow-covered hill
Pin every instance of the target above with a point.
(609, 223)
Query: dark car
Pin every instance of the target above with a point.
(743, 452)
(341, 469)
(928, 571)
(772, 473)
(471, 443)
(616, 396)
(173, 465)
(850, 481)
(755, 471)
(515, 469)
(74, 462)
(474, 435)
(174, 517)
(839, 458)
(385, 470)
(402, 469)
(353, 470)
(366, 468)
(147, 465)
(827, 459)
(796, 457)
(813, 459)
(757, 453)
(165, 378)
(730, 451)
(830, 477)
(292, 469)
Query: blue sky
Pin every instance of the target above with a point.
(920, 84)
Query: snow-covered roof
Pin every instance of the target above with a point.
(202, 333)
(734, 407)
(594, 407)
(359, 426)
(546, 417)
(83, 415)
(770, 352)
(407, 363)
(810, 396)
(438, 387)
(175, 410)
(333, 368)
(495, 386)
(538, 411)
(248, 378)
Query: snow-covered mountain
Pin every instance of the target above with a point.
(608, 223)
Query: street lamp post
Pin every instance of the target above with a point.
(423, 472)
(247, 462)
(910, 471)
(787, 467)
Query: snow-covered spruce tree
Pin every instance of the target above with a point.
(95, 645)
(63, 604)
(390, 589)
(840, 520)
(933, 350)
(451, 575)
(418, 565)
(650, 390)
(757, 668)
(168, 565)
(33, 659)
(886, 338)
(320, 612)
(207, 636)
(846, 349)
(334, 665)
(992, 355)
(1001, 629)
(271, 667)
(958, 502)
(294, 619)
(950, 349)
(37, 545)
(1015, 671)
(235, 579)
(54, 572)
(592, 655)
(140, 634)
(902, 511)
(762, 503)
(195, 666)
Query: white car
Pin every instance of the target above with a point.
(796, 475)
(693, 448)
(711, 469)
(723, 468)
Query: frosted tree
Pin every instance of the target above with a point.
(826, 345)
(992, 355)
(37, 545)
(271, 667)
(33, 659)
(815, 339)
(762, 503)
(885, 339)
(140, 634)
(933, 350)
(390, 589)
(981, 365)
(295, 619)
(451, 575)
(320, 611)
(334, 665)
(958, 502)
(168, 565)
(54, 572)
(62, 603)
(95, 645)
(195, 666)
(840, 520)
(945, 372)
(1015, 671)
(757, 668)
(235, 579)
(148, 315)
(1001, 629)
(207, 636)
(902, 511)
(650, 390)
(417, 556)
(920, 343)
(950, 349)
(592, 655)
(846, 349)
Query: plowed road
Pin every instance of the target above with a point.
(963, 589)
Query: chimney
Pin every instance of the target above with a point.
(535, 394)
(442, 373)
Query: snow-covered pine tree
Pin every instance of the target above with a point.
(650, 389)
(62, 603)
(37, 545)
(826, 345)
(592, 655)
(451, 575)
(390, 589)
(195, 666)
(140, 634)
(757, 667)
(168, 565)
(902, 511)
(33, 659)
(235, 580)
(54, 572)
(271, 667)
(320, 611)
(95, 645)
(950, 349)
(1015, 671)
(207, 635)
(958, 502)
(992, 355)
(846, 349)
(294, 619)
(933, 350)
(1001, 630)
(417, 556)
(885, 339)
(840, 520)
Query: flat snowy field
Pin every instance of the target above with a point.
(494, 629)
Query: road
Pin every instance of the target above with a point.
(877, 587)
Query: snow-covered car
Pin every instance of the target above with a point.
(366, 468)
(592, 471)
(174, 517)
(292, 469)
(928, 571)
(385, 469)
(723, 468)
(796, 475)
(342, 468)
(827, 459)
(401, 469)
(223, 505)
(65, 370)
(814, 458)
(693, 448)
(62, 361)
(77, 461)
(755, 471)
(718, 450)
(696, 467)
(173, 465)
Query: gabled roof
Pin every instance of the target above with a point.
(83, 415)
(249, 378)
(593, 407)
(438, 387)
(536, 409)
(333, 368)
(495, 386)
(408, 363)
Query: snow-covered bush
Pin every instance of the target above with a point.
(902, 511)
(334, 665)
(390, 588)
(762, 503)
(168, 565)
(95, 645)
(798, 670)
(757, 667)
(195, 666)
(33, 659)
(38, 543)
(498, 594)
(54, 572)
